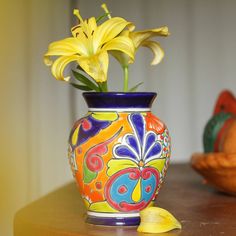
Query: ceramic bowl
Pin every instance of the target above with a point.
(219, 168)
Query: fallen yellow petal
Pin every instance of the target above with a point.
(157, 220)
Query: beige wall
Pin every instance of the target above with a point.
(37, 111)
(14, 156)
(34, 124)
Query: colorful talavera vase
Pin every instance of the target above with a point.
(119, 153)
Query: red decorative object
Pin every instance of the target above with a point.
(226, 102)
(218, 162)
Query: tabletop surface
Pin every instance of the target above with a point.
(200, 209)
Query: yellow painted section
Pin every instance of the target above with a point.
(136, 195)
(115, 165)
(107, 116)
(101, 207)
(75, 136)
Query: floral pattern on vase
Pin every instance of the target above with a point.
(135, 170)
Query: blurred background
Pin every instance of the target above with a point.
(37, 111)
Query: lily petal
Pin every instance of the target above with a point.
(157, 220)
(60, 64)
(156, 49)
(96, 66)
(123, 44)
(92, 25)
(66, 47)
(109, 30)
(140, 36)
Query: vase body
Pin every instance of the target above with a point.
(119, 153)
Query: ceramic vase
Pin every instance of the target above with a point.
(119, 153)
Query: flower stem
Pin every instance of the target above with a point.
(103, 86)
(126, 78)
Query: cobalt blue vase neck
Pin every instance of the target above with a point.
(117, 100)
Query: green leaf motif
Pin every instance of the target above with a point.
(88, 174)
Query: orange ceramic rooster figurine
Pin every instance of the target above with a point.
(218, 162)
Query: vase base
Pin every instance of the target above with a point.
(113, 219)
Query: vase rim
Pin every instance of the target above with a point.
(120, 93)
(119, 100)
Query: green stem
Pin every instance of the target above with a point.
(103, 86)
(126, 78)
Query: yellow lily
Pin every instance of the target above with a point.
(139, 38)
(142, 39)
(89, 47)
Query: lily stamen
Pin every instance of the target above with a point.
(104, 7)
(76, 13)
